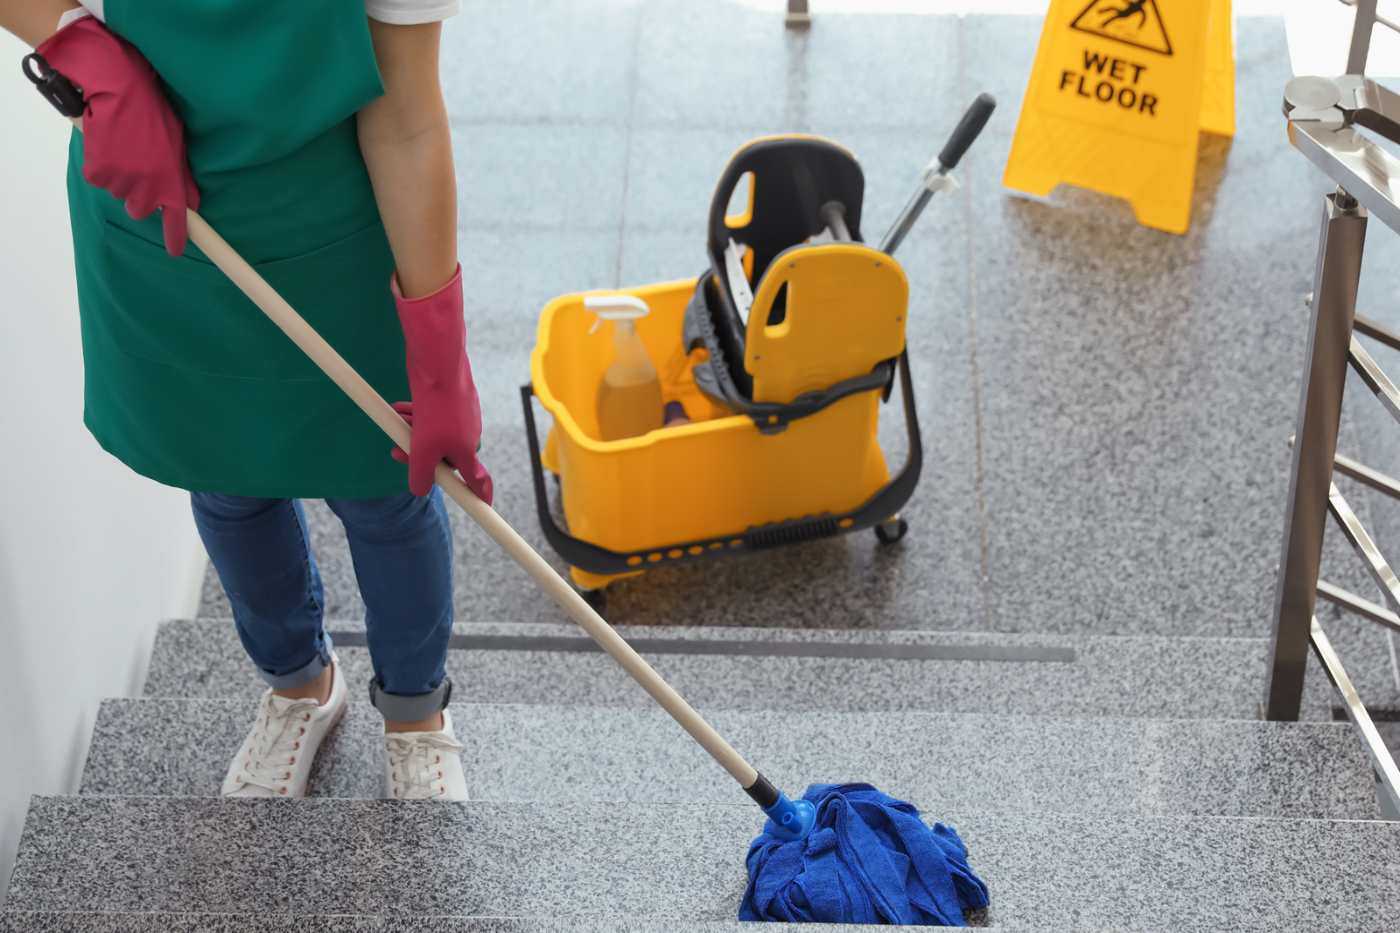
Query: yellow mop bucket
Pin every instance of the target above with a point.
(792, 456)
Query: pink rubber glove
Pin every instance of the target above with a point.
(445, 413)
(133, 143)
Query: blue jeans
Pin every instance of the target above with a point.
(402, 551)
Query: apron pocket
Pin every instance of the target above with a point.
(183, 312)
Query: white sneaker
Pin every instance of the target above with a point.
(424, 765)
(275, 759)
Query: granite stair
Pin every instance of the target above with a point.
(194, 922)
(942, 762)
(797, 669)
(592, 811)
(678, 863)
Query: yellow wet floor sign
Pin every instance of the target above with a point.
(1118, 95)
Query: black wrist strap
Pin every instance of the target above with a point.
(66, 97)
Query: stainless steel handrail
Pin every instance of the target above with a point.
(1366, 476)
(1367, 9)
(1365, 366)
(1365, 547)
(1387, 773)
(1359, 166)
(1366, 20)
(1360, 605)
(1325, 118)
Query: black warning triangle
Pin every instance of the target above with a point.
(1133, 22)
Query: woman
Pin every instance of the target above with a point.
(314, 137)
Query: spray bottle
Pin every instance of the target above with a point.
(629, 400)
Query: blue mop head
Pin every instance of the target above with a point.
(868, 859)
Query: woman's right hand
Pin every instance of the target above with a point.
(133, 142)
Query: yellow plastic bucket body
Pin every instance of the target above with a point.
(715, 477)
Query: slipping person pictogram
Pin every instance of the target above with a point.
(1133, 22)
(1134, 8)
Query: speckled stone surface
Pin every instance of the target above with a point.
(807, 77)
(1080, 378)
(170, 747)
(1148, 431)
(656, 861)
(1152, 432)
(33, 922)
(1185, 678)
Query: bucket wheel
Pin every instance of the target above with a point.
(891, 530)
(598, 599)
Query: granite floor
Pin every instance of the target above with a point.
(1080, 379)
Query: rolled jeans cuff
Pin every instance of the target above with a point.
(397, 707)
(304, 674)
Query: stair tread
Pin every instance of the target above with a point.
(56, 922)
(1132, 676)
(566, 859)
(515, 752)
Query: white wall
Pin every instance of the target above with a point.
(92, 556)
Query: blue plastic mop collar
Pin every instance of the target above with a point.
(792, 819)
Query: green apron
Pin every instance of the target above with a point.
(186, 381)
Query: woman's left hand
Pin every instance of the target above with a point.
(445, 413)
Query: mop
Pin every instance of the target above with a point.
(870, 858)
(840, 853)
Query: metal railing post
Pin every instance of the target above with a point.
(1361, 36)
(1319, 414)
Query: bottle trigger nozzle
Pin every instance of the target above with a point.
(615, 308)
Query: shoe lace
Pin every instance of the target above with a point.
(415, 761)
(276, 745)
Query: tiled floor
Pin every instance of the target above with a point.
(1105, 407)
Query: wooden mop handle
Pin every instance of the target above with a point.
(362, 393)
